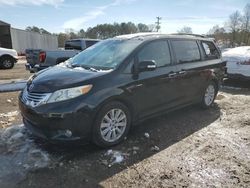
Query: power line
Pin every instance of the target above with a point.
(158, 23)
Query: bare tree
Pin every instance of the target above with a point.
(246, 24)
(217, 32)
(185, 29)
(234, 25)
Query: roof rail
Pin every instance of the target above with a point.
(195, 35)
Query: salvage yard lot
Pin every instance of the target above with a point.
(189, 147)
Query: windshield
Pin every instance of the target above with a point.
(107, 54)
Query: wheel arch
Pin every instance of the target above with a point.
(123, 101)
(7, 56)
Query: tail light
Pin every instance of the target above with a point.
(247, 62)
(42, 57)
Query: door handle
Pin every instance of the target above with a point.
(172, 75)
(182, 72)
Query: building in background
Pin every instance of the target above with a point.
(20, 40)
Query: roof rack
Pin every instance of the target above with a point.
(195, 35)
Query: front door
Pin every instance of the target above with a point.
(155, 91)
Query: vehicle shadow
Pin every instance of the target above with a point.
(82, 166)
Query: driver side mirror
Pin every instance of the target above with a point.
(148, 65)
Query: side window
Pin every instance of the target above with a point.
(157, 51)
(186, 51)
(210, 50)
(90, 43)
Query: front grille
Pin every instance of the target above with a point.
(34, 99)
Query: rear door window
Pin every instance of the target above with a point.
(210, 50)
(186, 51)
(157, 51)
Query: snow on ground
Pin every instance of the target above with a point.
(19, 154)
(237, 54)
(9, 114)
(112, 157)
(16, 86)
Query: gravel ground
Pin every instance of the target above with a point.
(186, 148)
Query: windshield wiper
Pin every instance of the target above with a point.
(85, 67)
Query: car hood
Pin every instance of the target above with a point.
(56, 78)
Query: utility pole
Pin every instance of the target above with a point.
(158, 23)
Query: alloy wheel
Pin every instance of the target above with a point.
(209, 95)
(113, 125)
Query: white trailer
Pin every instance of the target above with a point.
(22, 40)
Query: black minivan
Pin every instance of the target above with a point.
(101, 92)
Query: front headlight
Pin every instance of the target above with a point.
(65, 94)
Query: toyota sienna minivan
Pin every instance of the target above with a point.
(103, 91)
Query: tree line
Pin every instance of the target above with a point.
(101, 31)
(236, 31)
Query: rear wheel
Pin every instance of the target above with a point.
(7, 62)
(209, 95)
(112, 124)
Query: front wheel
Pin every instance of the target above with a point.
(7, 62)
(112, 124)
(209, 95)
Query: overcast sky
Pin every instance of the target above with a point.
(58, 15)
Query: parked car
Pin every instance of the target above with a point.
(101, 92)
(38, 59)
(238, 62)
(8, 58)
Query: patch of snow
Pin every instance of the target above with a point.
(64, 64)
(232, 88)
(79, 68)
(146, 135)
(114, 157)
(100, 70)
(118, 158)
(9, 114)
(109, 152)
(237, 54)
(19, 154)
(16, 86)
(155, 148)
(129, 36)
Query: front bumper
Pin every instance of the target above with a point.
(51, 123)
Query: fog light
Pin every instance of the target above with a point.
(68, 133)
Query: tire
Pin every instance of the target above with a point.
(209, 95)
(108, 131)
(7, 62)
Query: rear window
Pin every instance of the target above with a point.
(186, 51)
(90, 43)
(73, 45)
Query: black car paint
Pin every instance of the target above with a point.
(146, 94)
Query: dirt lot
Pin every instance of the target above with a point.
(15, 74)
(186, 148)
